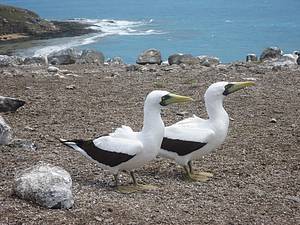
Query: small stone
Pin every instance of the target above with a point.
(98, 218)
(71, 87)
(273, 120)
(231, 119)
(251, 58)
(24, 144)
(182, 113)
(293, 198)
(29, 128)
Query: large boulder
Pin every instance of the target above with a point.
(150, 56)
(208, 60)
(64, 57)
(270, 54)
(46, 185)
(6, 60)
(5, 132)
(8, 104)
(179, 58)
(91, 56)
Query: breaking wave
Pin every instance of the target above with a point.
(102, 27)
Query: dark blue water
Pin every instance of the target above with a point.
(228, 29)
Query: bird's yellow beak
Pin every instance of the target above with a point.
(172, 98)
(235, 86)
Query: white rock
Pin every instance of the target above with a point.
(46, 185)
(53, 69)
(5, 132)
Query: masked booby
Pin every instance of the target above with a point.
(194, 137)
(124, 149)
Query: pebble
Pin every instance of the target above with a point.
(273, 120)
(71, 87)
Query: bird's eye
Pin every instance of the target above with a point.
(227, 87)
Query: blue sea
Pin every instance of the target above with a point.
(228, 29)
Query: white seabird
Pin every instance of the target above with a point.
(292, 56)
(194, 137)
(125, 149)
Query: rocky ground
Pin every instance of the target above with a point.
(256, 170)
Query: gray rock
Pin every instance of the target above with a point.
(36, 60)
(270, 53)
(24, 144)
(208, 60)
(251, 58)
(46, 185)
(91, 56)
(8, 104)
(64, 57)
(179, 58)
(5, 132)
(150, 56)
(6, 60)
(298, 60)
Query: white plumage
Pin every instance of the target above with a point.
(194, 137)
(125, 149)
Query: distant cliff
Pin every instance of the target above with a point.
(28, 24)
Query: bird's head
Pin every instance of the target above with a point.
(164, 98)
(297, 53)
(222, 89)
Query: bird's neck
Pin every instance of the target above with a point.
(215, 110)
(153, 123)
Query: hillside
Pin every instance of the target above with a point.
(17, 23)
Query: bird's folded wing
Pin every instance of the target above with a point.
(119, 145)
(190, 122)
(202, 135)
(124, 132)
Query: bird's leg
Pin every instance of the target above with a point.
(193, 176)
(190, 166)
(116, 176)
(133, 178)
(126, 189)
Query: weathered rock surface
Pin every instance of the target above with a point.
(5, 132)
(64, 57)
(6, 60)
(91, 56)
(150, 56)
(270, 53)
(46, 185)
(179, 58)
(8, 104)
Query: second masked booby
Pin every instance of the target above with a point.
(194, 137)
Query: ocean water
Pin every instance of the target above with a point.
(228, 29)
